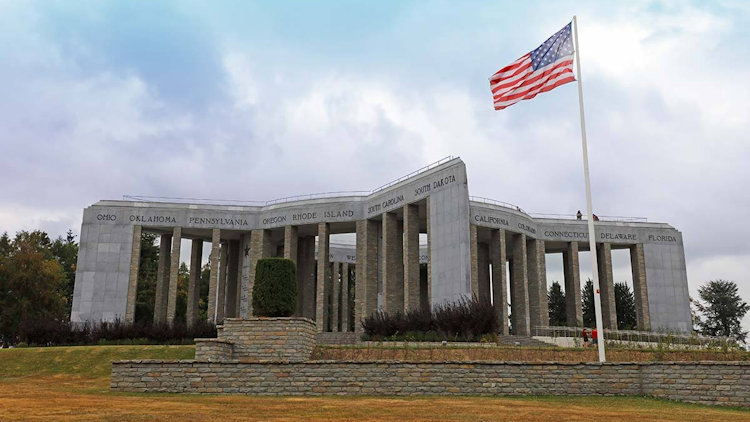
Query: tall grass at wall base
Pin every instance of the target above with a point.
(64, 333)
(462, 320)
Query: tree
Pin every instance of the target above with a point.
(5, 245)
(66, 253)
(556, 301)
(183, 283)
(695, 316)
(32, 283)
(147, 270)
(722, 309)
(587, 302)
(625, 306)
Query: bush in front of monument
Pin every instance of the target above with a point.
(275, 289)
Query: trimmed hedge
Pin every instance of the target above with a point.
(275, 289)
(462, 320)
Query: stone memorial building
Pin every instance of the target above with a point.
(420, 240)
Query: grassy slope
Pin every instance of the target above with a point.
(71, 383)
(83, 361)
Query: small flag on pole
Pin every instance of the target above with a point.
(543, 69)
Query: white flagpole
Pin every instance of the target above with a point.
(592, 235)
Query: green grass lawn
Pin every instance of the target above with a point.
(83, 361)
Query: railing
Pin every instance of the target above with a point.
(321, 195)
(656, 338)
(496, 202)
(145, 198)
(601, 217)
(414, 173)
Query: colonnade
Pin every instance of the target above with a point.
(323, 291)
(502, 253)
(506, 267)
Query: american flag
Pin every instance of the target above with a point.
(548, 66)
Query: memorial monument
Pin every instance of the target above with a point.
(471, 246)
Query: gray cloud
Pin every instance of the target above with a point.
(96, 106)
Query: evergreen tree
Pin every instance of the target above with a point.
(183, 282)
(147, 271)
(556, 303)
(695, 316)
(722, 309)
(625, 305)
(66, 253)
(587, 302)
(204, 284)
(5, 245)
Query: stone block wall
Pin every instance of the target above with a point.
(338, 338)
(723, 383)
(708, 383)
(260, 339)
(213, 349)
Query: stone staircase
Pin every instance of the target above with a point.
(521, 341)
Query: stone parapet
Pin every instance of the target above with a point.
(724, 383)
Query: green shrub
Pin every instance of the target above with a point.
(275, 289)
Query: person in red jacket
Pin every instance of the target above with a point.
(594, 336)
(585, 337)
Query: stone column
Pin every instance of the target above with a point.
(411, 257)
(640, 289)
(606, 285)
(221, 285)
(174, 274)
(162, 279)
(324, 274)
(345, 297)
(290, 243)
(366, 287)
(194, 291)
(233, 258)
(474, 253)
(393, 264)
(519, 284)
(260, 247)
(537, 267)
(213, 277)
(335, 289)
(135, 260)
(499, 279)
(572, 275)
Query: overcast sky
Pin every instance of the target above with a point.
(259, 100)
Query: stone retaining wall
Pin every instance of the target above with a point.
(213, 349)
(338, 338)
(724, 383)
(260, 339)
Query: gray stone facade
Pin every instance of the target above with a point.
(470, 244)
(725, 383)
